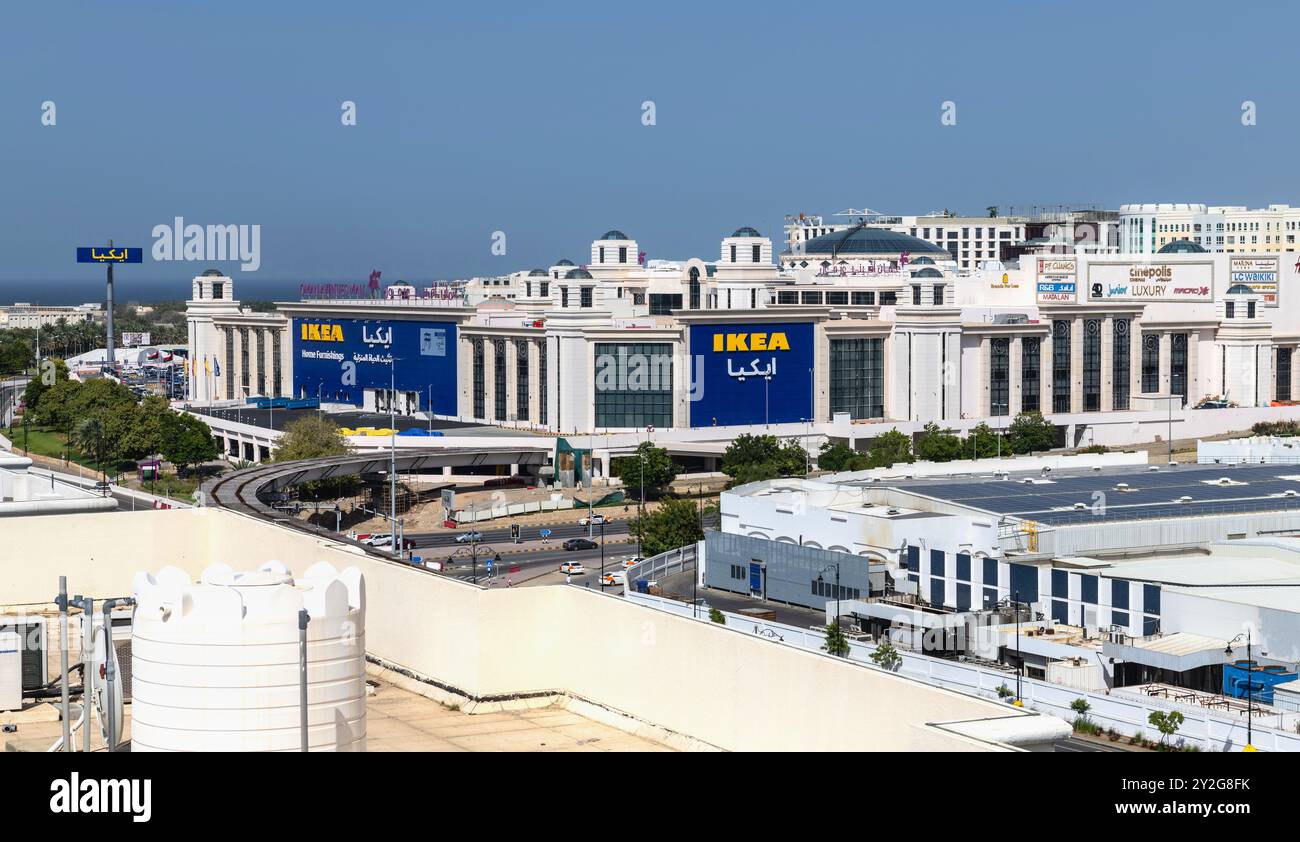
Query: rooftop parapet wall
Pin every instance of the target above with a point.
(711, 683)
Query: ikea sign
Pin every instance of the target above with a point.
(321, 333)
(751, 374)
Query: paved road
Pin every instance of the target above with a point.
(539, 567)
(614, 529)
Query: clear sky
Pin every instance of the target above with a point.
(526, 118)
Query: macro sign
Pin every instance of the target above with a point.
(752, 373)
(109, 254)
(339, 359)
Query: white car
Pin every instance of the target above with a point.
(614, 578)
(468, 537)
(594, 520)
(632, 561)
(572, 568)
(376, 540)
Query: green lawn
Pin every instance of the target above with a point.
(47, 442)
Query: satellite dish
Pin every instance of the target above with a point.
(105, 654)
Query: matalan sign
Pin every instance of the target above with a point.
(1151, 281)
(135, 340)
(1258, 273)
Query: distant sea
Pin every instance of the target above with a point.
(127, 289)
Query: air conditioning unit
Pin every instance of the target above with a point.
(11, 671)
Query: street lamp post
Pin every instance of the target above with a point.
(1020, 660)
(1250, 686)
(602, 553)
(836, 565)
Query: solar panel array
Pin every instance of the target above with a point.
(1151, 494)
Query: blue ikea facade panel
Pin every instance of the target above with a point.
(751, 373)
(1060, 611)
(1088, 589)
(963, 566)
(937, 563)
(1024, 581)
(1118, 594)
(936, 592)
(963, 597)
(991, 572)
(339, 359)
(1151, 599)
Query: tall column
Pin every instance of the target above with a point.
(1194, 387)
(535, 396)
(1166, 362)
(1295, 373)
(512, 380)
(489, 379)
(1107, 364)
(986, 394)
(1134, 360)
(1015, 374)
(1045, 347)
(1076, 365)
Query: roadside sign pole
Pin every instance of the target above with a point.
(109, 346)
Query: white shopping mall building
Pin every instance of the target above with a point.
(864, 330)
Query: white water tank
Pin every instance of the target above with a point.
(215, 665)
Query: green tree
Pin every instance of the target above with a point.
(660, 469)
(49, 372)
(187, 441)
(1166, 722)
(140, 430)
(752, 458)
(717, 616)
(983, 443)
(88, 436)
(1031, 432)
(936, 445)
(886, 657)
(891, 448)
(836, 643)
(675, 523)
(838, 457)
(309, 437)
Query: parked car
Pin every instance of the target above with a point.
(572, 568)
(580, 544)
(467, 537)
(375, 540)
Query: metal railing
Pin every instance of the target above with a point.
(665, 564)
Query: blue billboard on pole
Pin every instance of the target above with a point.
(339, 359)
(752, 373)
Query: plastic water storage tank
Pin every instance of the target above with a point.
(215, 664)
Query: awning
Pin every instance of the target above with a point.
(1179, 652)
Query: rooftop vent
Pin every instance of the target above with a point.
(1291, 492)
(891, 510)
(1121, 486)
(1078, 507)
(1185, 499)
(1153, 468)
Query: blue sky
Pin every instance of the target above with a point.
(526, 118)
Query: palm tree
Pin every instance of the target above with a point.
(88, 437)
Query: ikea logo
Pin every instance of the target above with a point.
(750, 342)
(322, 333)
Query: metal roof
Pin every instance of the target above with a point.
(1052, 499)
